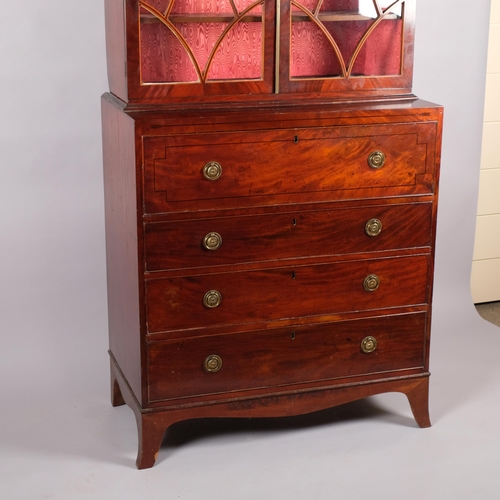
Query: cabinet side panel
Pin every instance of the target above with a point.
(114, 11)
(121, 242)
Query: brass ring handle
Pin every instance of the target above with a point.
(213, 363)
(371, 283)
(368, 344)
(212, 241)
(212, 170)
(376, 159)
(373, 227)
(212, 299)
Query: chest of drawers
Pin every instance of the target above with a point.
(268, 263)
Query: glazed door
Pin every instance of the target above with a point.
(346, 45)
(202, 47)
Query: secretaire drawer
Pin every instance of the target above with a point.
(234, 362)
(238, 169)
(208, 300)
(258, 238)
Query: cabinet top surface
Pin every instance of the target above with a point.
(305, 109)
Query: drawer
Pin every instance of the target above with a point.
(210, 300)
(236, 240)
(239, 169)
(252, 360)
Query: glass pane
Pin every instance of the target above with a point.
(179, 47)
(312, 53)
(160, 5)
(396, 10)
(201, 7)
(163, 58)
(201, 39)
(367, 8)
(338, 6)
(308, 4)
(381, 54)
(366, 33)
(347, 21)
(241, 5)
(239, 55)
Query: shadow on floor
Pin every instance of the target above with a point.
(190, 431)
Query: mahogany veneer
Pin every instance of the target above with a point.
(270, 240)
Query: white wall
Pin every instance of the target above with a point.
(485, 276)
(450, 68)
(53, 297)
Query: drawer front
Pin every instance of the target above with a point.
(234, 362)
(271, 294)
(239, 169)
(234, 240)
